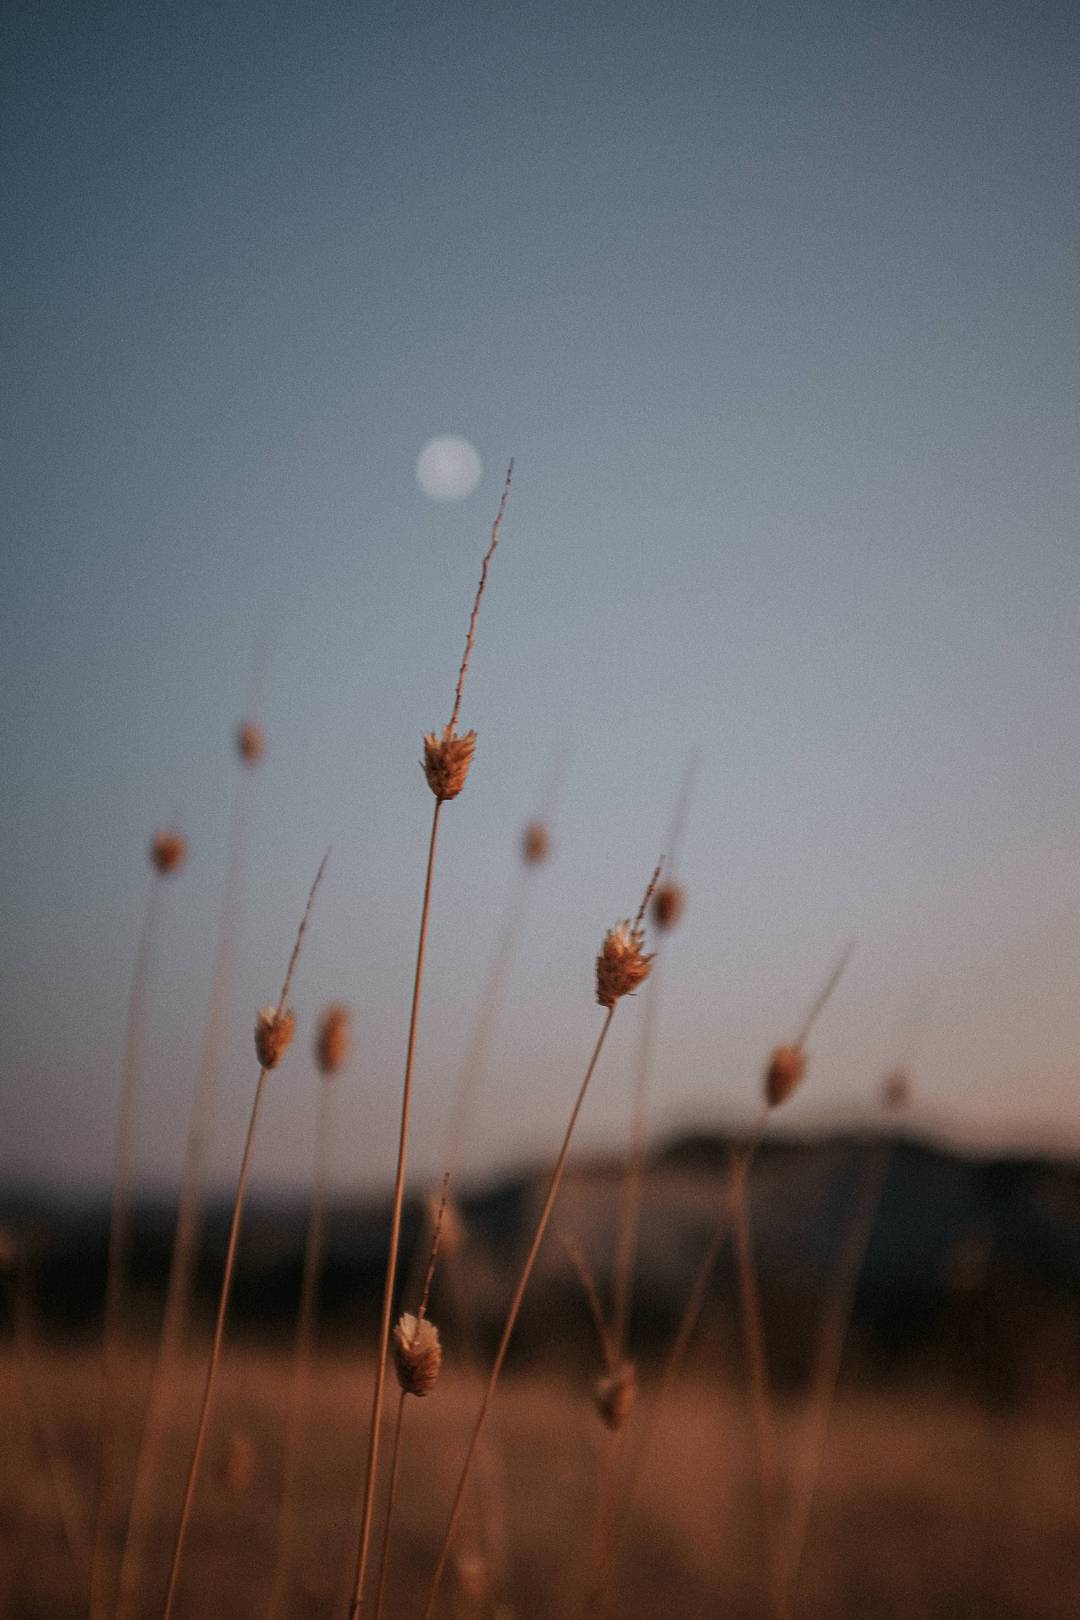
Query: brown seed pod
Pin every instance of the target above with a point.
(446, 761)
(784, 1074)
(417, 1354)
(616, 1394)
(668, 904)
(274, 1031)
(621, 965)
(250, 742)
(535, 844)
(332, 1039)
(896, 1092)
(168, 850)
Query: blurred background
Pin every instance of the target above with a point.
(774, 307)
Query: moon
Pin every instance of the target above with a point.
(448, 468)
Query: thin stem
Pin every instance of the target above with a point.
(760, 1405)
(215, 1352)
(40, 1420)
(829, 986)
(830, 1351)
(575, 1254)
(227, 1277)
(188, 1216)
(630, 1215)
(119, 1240)
(691, 1316)
(302, 1354)
(395, 1457)
(470, 636)
(395, 1234)
(511, 1318)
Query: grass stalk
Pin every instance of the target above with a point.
(230, 1266)
(446, 765)
(391, 1502)
(302, 1355)
(116, 1267)
(395, 1233)
(511, 1318)
(829, 1353)
(395, 1457)
(688, 1322)
(753, 1333)
(621, 967)
(178, 1288)
(40, 1421)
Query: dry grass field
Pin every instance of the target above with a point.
(926, 1506)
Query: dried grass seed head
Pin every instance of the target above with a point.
(250, 742)
(668, 904)
(896, 1092)
(622, 964)
(274, 1031)
(784, 1074)
(332, 1039)
(446, 761)
(168, 851)
(616, 1394)
(417, 1354)
(535, 844)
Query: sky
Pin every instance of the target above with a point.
(775, 307)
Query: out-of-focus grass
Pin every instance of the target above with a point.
(927, 1506)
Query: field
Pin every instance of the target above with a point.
(927, 1505)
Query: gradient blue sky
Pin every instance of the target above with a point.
(776, 306)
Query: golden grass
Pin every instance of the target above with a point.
(910, 1517)
(273, 1031)
(446, 763)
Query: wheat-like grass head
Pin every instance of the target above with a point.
(446, 761)
(784, 1074)
(622, 964)
(535, 844)
(250, 742)
(168, 851)
(274, 1031)
(332, 1040)
(417, 1354)
(615, 1394)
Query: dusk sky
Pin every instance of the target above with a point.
(776, 308)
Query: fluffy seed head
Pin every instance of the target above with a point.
(535, 844)
(615, 1395)
(667, 905)
(332, 1039)
(417, 1354)
(274, 1031)
(896, 1092)
(621, 965)
(250, 742)
(784, 1073)
(168, 849)
(446, 761)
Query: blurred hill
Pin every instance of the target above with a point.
(972, 1271)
